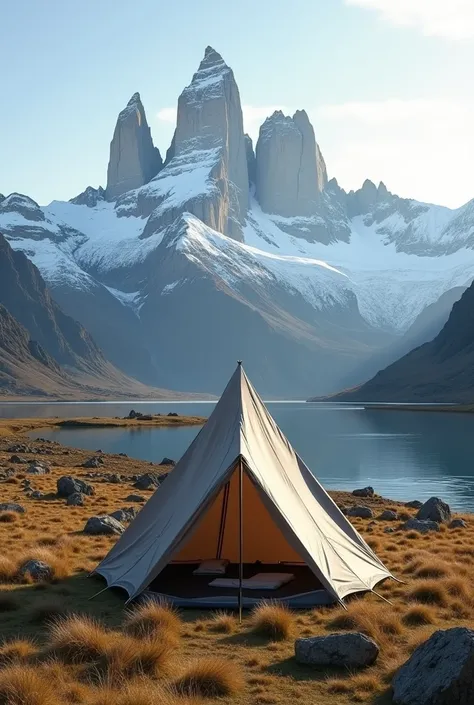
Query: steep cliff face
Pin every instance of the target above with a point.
(290, 171)
(133, 158)
(206, 165)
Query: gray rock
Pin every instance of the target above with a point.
(414, 504)
(168, 461)
(435, 510)
(94, 462)
(76, 499)
(134, 160)
(388, 515)
(457, 524)
(362, 512)
(38, 468)
(68, 485)
(148, 481)
(125, 515)
(103, 525)
(439, 672)
(12, 507)
(422, 526)
(290, 172)
(251, 163)
(18, 460)
(364, 492)
(348, 650)
(37, 495)
(135, 498)
(389, 530)
(38, 570)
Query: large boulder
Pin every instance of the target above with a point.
(439, 672)
(457, 524)
(148, 481)
(349, 650)
(68, 485)
(103, 525)
(422, 526)
(12, 507)
(95, 462)
(168, 461)
(364, 492)
(18, 460)
(38, 468)
(37, 570)
(414, 504)
(362, 512)
(135, 498)
(388, 515)
(435, 510)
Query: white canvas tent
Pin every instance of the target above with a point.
(240, 492)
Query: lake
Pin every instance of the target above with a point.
(403, 454)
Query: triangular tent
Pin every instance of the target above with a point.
(241, 493)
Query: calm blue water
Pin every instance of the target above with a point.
(403, 455)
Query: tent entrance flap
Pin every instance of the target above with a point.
(217, 534)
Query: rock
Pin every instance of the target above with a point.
(362, 512)
(123, 455)
(19, 448)
(289, 179)
(94, 462)
(90, 197)
(20, 461)
(114, 478)
(76, 499)
(12, 507)
(134, 160)
(172, 413)
(37, 495)
(414, 504)
(38, 468)
(251, 163)
(125, 515)
(388, 515)
(457, 524)
(38, 570)
(135, 498)
(68, 485)
(389, 530)
(422, 526)
(439, 672)
(435, 510)
(103, 525)
(347, 650)
(132, 414)
(168, 461)
(364, 492)
(147, 482)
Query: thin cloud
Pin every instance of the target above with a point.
(450, 19)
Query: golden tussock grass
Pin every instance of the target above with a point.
(223, 623)
(272, 621)
(211, 678)
(152, 619)
(8, 517)
(374, 619)
(429, 592)
(78, 639)
(419, 615)
(127, 657)
(17, 651)
(25, 685)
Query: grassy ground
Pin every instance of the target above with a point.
(160, 657)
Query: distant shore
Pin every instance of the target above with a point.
(20, 426)
(452, 408)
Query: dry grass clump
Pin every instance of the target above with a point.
(151, 619)
(429, 592)
(25, 685)
(432, 569)
(272, 621)
(8, 517)
(223, 623)
(17, 651)
(419, 615)
(211, 678)
(375, 620)
(127, 657)
(78, 639)
(458, 587)
(8, 570)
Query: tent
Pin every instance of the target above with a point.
(241, 493)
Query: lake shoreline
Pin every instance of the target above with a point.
(443, 408)
(23, 426)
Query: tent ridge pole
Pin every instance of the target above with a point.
(241, 537)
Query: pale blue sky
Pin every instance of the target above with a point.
(387, 83)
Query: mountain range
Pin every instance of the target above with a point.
(217, 250)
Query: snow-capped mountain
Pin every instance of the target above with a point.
(222, 252)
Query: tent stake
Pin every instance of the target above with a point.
(241, 538)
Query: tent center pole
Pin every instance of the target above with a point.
(241, 538)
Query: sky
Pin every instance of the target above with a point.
(387, 84)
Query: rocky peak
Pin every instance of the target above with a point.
(134, 160)
(25, 206)
(90, 197)
(367, 198)
(290, 170)
(251, 165)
